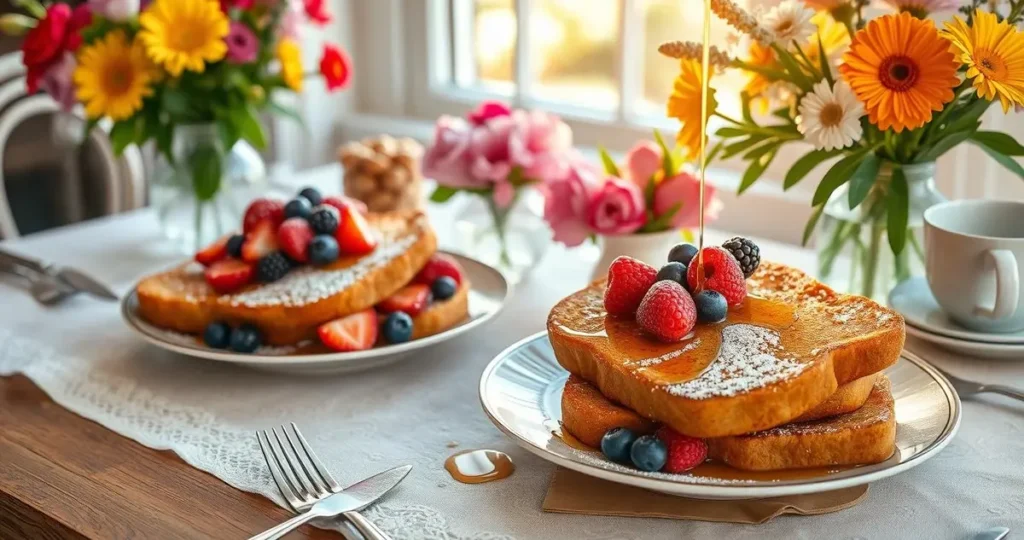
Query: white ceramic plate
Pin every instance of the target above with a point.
(487, 297)
(521, 392)
(914, 300)
(970, 348)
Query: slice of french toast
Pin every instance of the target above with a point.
(788, 348)
(289, 310)
(440, 316)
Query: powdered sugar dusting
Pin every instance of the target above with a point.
(669, 355)
(750, 357)
(307, 285)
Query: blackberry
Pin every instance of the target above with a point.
(273, 267)
(746, 252)
(324, 219)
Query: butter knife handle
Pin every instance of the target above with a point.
(1005, 390)
(25, 262)
(366, 527)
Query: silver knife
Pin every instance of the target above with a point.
(351, 499)
(75, 279)
(995, 533)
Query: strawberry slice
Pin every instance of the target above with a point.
(261, 210)
(228, 275)
(341, 203)
(439, 264)
(354, 235)
(213, 252)
(293, 236)
(259, 243)
(356, 332)
(410, 299)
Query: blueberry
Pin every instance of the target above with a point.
(682, 253)
(443, 288)
(217, 335)
(312, 195)
(648, 453)
(398, 327)
(235, 245)
(673, 271)
(616, 444)
(323, 249)
(245, 339)
(711, 306)
(298, 207)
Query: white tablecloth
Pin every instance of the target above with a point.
(414, 412)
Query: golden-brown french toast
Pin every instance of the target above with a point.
(440, 316)
(785, 350)
(847, 398)
(289, 310)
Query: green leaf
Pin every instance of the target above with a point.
(967, 116)
(862, 180)
(228, 132)
(756, 169)
(441, 194)
(756, 153)
(662, 222)
(164, 140)
(1000, 142)
(796, 75)
(805, 165)
(609, 164)
(826, 69)
(739, 147)
(811, 223)
(667, 165)
(284, 110)
(1006, 161)
(836, 176)
(715, 150)
(745, 100)
(33, 7)
(899, 207)
(176, 102)
(244, 118)
(122, 135)
(649, 193)
(783, 113)
(943, 145)
(731, 132)
(205, 163)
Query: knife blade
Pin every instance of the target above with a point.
(995, 533)
(84, 282)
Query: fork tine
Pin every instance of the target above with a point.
(321, 488)
(295, 464)
(325, 475)
(282, 462)
(275, 471)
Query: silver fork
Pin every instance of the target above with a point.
(967, 388)
(302, 477)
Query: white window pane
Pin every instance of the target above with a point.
(494, 41)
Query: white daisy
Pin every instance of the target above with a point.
(830, 117)
(790, 21)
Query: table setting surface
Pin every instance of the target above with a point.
(107, 436)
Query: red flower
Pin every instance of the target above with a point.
(334, 65)
(317, 12)
(44, 43)
(226, 5)
(80, 18)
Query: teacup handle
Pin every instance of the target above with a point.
(1007, 285)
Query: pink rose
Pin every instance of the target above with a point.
(56, 81)
(540, 143)
(291, 20)
(447, 159)
(115, 10)
(642, 162)
(487, 110)
(568, 201)
(243, 45)
(489, 149)
(617, 208)
(684, 188)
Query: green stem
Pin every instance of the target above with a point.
(871, 258)
(773, 74)
(810, 65)
(916, 244)
(934, 124)
(500, 216)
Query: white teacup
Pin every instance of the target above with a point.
(975, 258)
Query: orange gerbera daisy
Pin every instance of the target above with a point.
(901, 70)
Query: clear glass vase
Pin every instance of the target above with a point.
(853, 245)
(202, 195)
(511, 239)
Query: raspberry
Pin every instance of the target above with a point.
(684, 453)
(439, 264)
(746, 252)
(722, 273)
(667, 311)
(628, 282)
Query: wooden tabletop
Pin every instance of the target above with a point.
(62, 476)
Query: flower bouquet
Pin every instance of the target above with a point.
(883, 98)
(191, 75)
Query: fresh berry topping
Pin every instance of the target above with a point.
(342, 203)
(245, 339)
(684, 453)
(616, 444)
(356, 332)
(628, 282)
(293, 236)
(312, 195)
(410, 299)
(260, 242)
(298, 207)
(235, 245)
(443, 288)
(397, 327)
(217, 335)
(213, 252)
(682, 253)
(323, 249)
(648, 453)
(711, 306)
(273, 267)
(673, 271)
(228, 275)
(721, 273)
(746, 252)
(439, 264)
(667, 311)
(261, 210)
(354, 235)
(324, 219)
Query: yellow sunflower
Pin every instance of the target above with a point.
(761, 56)
(993, 52)
(113, 76)
(684, 104)
(184, 34)
(835, 38)
(290, 56)
(901, 70)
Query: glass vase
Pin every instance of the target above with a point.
(511, 239)
(853, 245)
(203, 194)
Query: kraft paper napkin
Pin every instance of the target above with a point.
(571, 492)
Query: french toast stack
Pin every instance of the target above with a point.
(792, 378)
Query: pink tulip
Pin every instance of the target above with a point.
(642, 162)
(487, 110)
(617, 208)
(684, 189)
(489, 149)
(568, 201)
(243, 45)
(447, 159)
(115, 10)
(56, 81)
(291, 20)
(539, 143)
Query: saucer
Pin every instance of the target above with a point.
(913, 299)
(978, 349)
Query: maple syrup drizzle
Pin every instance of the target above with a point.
(479, 466)
(570, 440)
